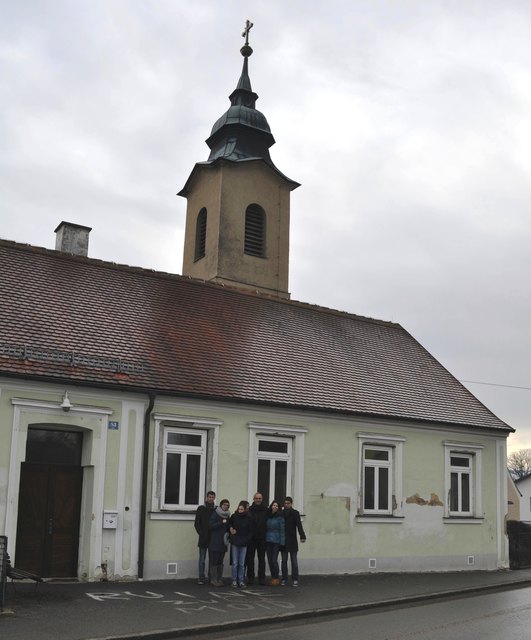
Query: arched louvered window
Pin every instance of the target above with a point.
(200, 234)
(255, 221)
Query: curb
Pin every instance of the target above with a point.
(197, 630)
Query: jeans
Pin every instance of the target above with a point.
(258, 547)
(202, 562)
(238, 563)
(294, 565)
(272, 549)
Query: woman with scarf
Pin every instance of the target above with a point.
(217, 545)
(275, 538)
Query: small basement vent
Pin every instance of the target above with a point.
(171, 568)
(372, 563)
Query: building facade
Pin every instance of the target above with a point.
(126, 394)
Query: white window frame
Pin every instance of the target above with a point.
(273, 457)
(296, 436)
(184, 451)
(377, 465)
(395, 445)
(474, 453)
(208, 429)
(462, 472)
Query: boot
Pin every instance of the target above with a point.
(220, 576)
(214, 576)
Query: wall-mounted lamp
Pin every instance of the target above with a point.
(66, 405)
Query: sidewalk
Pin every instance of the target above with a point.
(178, 608)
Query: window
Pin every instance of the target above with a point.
(274, 468)
(276, 462)
(460, 484)
(462, 481)
(377, 487)
(184, 464)
(183, 474)
(52, 446)
(254, 231)
(200, 234)
(380, 477)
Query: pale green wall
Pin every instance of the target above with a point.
(331, 478)
(337, 541)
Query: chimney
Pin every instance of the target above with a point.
(72, 238)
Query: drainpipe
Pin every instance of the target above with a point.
(143, 505)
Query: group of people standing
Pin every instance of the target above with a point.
(254, 532)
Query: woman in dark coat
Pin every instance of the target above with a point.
(217, 545)
(241, 531)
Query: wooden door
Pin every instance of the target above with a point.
(48, 517)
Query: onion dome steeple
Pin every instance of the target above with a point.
(238, 202)
(242, 132)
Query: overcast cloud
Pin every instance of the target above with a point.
(408, 124)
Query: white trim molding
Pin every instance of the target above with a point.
(475, 451)
(396, 443)
(297, 435)
(167, 420)
(54, 406)
(93, 422)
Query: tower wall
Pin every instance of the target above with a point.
(226, 189)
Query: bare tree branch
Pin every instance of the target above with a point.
(519, 463)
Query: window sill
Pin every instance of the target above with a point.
(463, 520)
(369, 518)
(172, 515)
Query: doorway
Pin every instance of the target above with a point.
(49, 505)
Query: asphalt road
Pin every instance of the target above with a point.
(497, 616)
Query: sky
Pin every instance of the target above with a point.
(407, 123)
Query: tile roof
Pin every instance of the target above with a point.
(70, 318)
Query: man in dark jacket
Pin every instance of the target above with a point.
(257, 544)
(202, 516)
(293, 523)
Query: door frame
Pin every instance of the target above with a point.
(93, 422)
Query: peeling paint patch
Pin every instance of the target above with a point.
(434, 500)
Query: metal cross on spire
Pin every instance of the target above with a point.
(246, 50)
(248, 26)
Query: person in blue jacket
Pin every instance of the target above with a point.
(275, 538)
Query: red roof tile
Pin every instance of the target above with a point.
(93, 322)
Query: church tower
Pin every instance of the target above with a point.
(237, 217)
